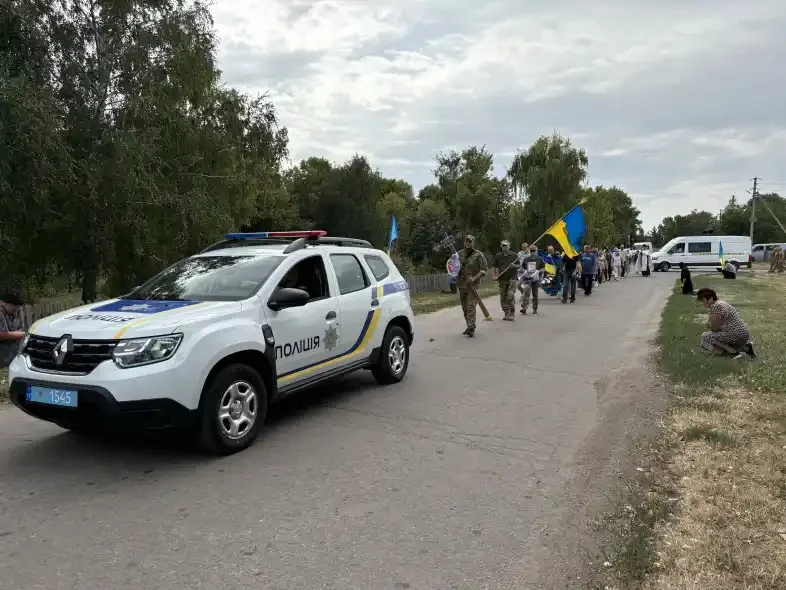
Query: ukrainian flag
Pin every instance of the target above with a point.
(570, 230)
(720, 253)
(550, 269)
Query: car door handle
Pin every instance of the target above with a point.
(331, 315)
(374, 302)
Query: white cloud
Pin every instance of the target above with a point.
(659, 94)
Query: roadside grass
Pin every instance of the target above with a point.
(3, 386)
(423, 303)
(712, 512)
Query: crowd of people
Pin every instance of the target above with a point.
(531, 270)
(557, 273)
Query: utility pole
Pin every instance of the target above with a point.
(754, 194)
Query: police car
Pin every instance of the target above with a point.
(210, 342)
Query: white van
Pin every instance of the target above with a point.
(703, 251)
(640, 246)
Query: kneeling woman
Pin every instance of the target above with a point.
(728, 332)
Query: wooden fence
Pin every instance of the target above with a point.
(417, 284)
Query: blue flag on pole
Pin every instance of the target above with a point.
(720, 253)
(393, 233)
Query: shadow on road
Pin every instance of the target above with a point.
(66, 456)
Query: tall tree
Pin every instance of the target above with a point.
(549, 177)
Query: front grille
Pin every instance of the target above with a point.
(87, 354)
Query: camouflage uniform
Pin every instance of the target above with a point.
(473, 263)
(507, 264)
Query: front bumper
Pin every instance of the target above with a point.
(98, 409)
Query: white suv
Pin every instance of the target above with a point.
(210, 342)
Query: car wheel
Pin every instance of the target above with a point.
(232, 410)
(393, 358)
(665, 267)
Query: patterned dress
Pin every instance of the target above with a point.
(732, 331)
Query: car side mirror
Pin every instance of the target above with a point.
(288, 297)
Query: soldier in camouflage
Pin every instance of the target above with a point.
(504, 267)
(473, 268)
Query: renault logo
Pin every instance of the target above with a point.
(62, 348)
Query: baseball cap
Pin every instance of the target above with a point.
(12, 298)
(469, 237)
(505, 243)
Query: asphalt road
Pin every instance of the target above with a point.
(476, 472)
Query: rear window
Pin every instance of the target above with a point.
(378, 267)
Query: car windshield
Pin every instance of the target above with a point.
(209, 278)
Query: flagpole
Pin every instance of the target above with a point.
(545, 233)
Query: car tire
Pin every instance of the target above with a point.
(232, 410)
(665, 267)
(393, 357)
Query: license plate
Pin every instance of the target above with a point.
(52, 397)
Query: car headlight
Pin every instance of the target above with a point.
(145, 351)
(23, 343)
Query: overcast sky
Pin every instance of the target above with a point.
(680, 103)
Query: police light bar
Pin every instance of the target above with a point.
(262, 235)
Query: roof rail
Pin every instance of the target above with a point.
(296, 240)
(301, 243)
(262, 238)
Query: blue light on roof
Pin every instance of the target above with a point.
(248, 236)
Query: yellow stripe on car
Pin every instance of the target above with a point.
(359, 350)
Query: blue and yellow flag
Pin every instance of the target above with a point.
(550, 269)
(570, 230)
(720, 253)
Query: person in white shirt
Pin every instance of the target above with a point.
(616, 264)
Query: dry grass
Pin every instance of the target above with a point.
(721, 464)
(730, 533)
(430, 302)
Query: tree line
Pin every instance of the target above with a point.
(733, 219)
(121, 151)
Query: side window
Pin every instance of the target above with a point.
(349, 273)
(309, 275)
(758, 248)
(700, 247)
(678, 249)
(378, 267)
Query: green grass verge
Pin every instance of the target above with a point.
(759, 298)
(716, 485)
(423, 303)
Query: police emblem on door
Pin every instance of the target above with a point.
(331, 338)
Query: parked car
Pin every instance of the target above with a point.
(763, 252)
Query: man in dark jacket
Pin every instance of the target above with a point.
(569, 266)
